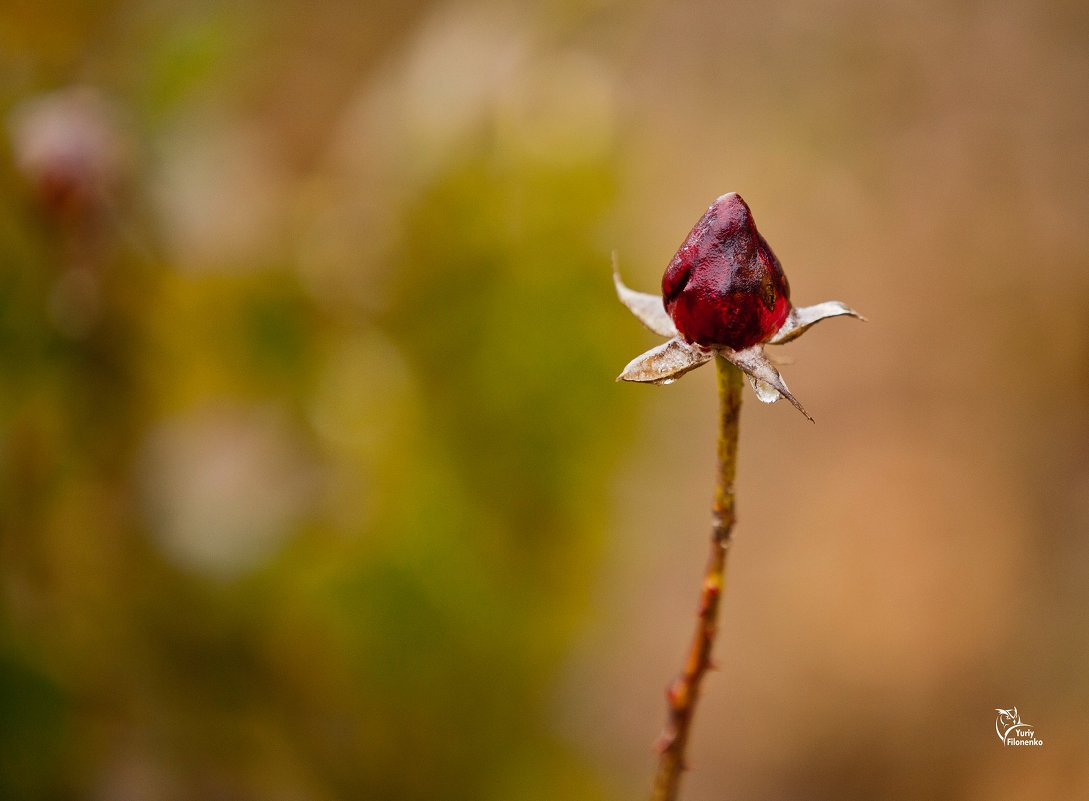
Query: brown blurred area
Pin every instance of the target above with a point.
(314, 479)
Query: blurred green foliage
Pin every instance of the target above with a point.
(395, 627)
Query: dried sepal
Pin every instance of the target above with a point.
(763, 376)
(801, 318)
(665, 363)
(648, 308)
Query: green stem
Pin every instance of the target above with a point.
(683, 693)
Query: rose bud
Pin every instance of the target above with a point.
(725, 286)
(725, 293)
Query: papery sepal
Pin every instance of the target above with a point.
(801, 318)
(648, 308)
(665, 363)
(756, 364)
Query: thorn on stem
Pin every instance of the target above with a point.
(677, 693)
(665, 741)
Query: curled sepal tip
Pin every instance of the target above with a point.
(648, 308)
(802, 317)
(665, 363)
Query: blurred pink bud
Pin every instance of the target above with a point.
(70, 148)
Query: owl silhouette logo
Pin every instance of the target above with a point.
(1011, 730)
(1007, 720)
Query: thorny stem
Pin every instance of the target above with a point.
(683, 693)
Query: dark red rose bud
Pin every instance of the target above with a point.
(725, 286)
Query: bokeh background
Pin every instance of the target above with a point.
(314, 479)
